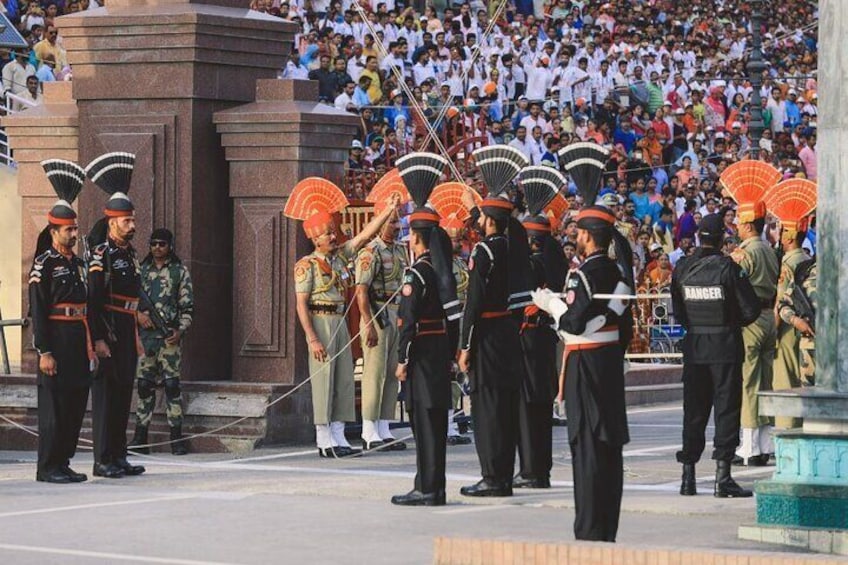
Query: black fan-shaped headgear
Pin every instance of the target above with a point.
(499, 164)
(67, 179)
(112, 173)
(585, 162)
(420, 173)
(540, 184)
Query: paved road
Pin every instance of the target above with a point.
(289, 506)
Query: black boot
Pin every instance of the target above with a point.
(139, 438)
(178, 447)
(725, 486)
(687, 484)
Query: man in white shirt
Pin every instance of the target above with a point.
(15, 73)
(423, 69)
(520, 141)
(536, 146)
(535, 119)
(538, 79)
(344, 101)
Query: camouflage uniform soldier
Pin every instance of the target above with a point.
(797, 306)
(167, 284)
(379, 269)
(321, 279)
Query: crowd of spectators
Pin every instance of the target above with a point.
(661, 83)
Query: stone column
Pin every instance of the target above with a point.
(270, 145)
(49, 131)
(148, 76)
(810, 484)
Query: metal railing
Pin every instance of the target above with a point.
(10, 104)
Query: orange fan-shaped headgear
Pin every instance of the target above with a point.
(389, 184)
(792, 201)
(747, 182)
(556, 210)
(314, 200)
(446, 200)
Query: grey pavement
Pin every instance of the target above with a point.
(288, 506)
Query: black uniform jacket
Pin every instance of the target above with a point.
(539, 341)
(594, 381)
(713, 299)
(489, 331)
(423, 343)
(113, 276)
(54, 280)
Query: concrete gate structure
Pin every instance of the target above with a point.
(190, 87)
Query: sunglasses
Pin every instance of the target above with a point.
(158, 243)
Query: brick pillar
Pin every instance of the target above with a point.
(49, 131)
(270, 145)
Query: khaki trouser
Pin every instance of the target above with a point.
(808, 362)
(760, 343)
(379, 384)
(332, 382)
(787, 369)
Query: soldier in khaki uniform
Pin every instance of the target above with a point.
(379, 271)
(797, 307)
(790, 201)
(321, 279)
(759, 262)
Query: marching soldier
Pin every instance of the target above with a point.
(379, 269)
(321, 280)
(490, 337)
(790, 201)
(113, 275)
(797, 307)
(429, 313)
(164, 319)
(592, 329)
(713, 299)
(57, 300)
(538, 340)
(760, 263)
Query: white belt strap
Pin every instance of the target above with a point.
(610, 336)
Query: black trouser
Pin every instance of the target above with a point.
(535, 438)
(61, 410)
(111, 396)
(495, 430)
(430, 427)
(598, 482)
(705, 386)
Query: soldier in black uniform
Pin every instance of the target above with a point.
(539, 345)
(57, 301)
(113, 306)
(428, 317)
(713, 299)
(491, 342)
(593, 330)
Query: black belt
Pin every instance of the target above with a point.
(327, 308)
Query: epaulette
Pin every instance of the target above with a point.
(100, 249)
(412, 272)
(43, 257)
(95, 262)
(486, 249)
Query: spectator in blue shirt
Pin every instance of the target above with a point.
(625, 135)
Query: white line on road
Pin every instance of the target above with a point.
(96, 505)
(270, 457)
(647, 450)
(477, 508)
(108, 556)
(676, 408)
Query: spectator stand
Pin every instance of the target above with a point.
(10, 39)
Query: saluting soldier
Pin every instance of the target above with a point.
(538, 340)
(379, 270)
(321, 280)
(759, 262)
(167, 286)
(429, 314)
(790, 201)
(114, 281)
(797, 307)
(57, 301)
(592, 329)
(499, 271)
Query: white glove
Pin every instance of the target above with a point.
(542, 298)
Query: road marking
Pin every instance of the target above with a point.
(108, 556)
(270, 457)
(656, 409)
(649, 450)
(96, 505)
(466, 509)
